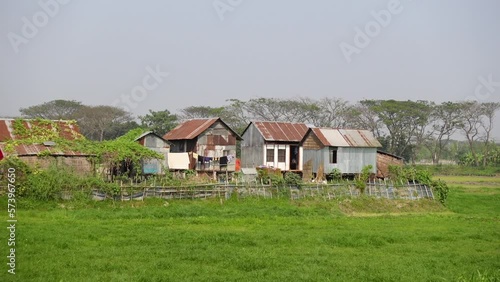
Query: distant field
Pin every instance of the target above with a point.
(263, 239)
(471, 181)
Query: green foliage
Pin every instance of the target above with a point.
(190, 173)
(398, 174)
(404, 174)
(335, 174)
(124, 148)
(97, 122)
(402, 119)
(292, 179)
(42, 131)
(53, 110)
(442, 189)
(22, 171)
(159, 121)
(255, 238)
(363, 177)
(271, 176)
(48, 184)
(460, 170)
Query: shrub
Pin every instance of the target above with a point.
(335, 174)
(441, 189)
(293, 179)
(48, 184)
(22, 171)
(363, 177)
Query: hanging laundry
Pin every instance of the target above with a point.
(223, 161)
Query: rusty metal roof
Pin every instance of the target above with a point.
(346, 137)
(193, 128)
(35, 149)
(281, 131)
(150, 133)
(66, 130)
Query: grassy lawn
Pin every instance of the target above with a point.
(261, 239)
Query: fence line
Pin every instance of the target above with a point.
(409, 191)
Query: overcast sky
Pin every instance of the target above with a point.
(119, 52)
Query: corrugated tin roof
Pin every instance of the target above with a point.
(148, 133)
(330, 137)
(66, 130)
(35, 149)
(281, 131)
(192, 128)
(346, 137)
(189, 129)
(389, 154)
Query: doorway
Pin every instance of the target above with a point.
(294, 157)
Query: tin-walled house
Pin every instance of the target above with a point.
(209, 143)
(348, 150)
(45, 151)
(156, 143)
(273, 144)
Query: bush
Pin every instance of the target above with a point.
(422, 176)
(22, 171)
(335, 174)
(363, 177)
(441, 189)
(48, 184)
(293, 179)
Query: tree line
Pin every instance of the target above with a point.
(404, 128)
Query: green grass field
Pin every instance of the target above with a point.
(261, 240)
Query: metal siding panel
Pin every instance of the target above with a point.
(352, 160)
(252, 153)
(315, 156)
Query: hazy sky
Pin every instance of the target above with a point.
(119, 52)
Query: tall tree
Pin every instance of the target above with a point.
(159, 121)
(53, 110)
(362, 116)
(193, 112)
(270, 109)
(488, 111)
(403, 121)
(119, 129)
(333, 112)
(232, 114)
(470, 125)
(445, 119)
(96, 121)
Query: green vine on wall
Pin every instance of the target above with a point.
(108, 153)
